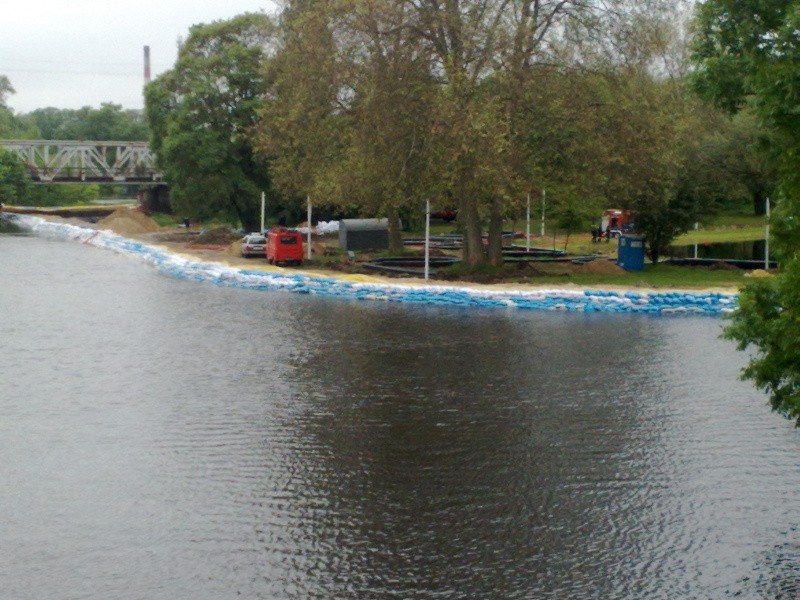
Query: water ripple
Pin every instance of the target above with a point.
(166, 440)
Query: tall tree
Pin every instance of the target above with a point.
(390, 101)
(12, 126)
(15, 187)
(200, 115)
(467, 40)
(385, 167)
(301, 129)
(747, 53)
(6, 89)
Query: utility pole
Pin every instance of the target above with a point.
(766, 239)
(543, 198)
(308, 235)
(263, 214)
(427, 238)
(528, 226)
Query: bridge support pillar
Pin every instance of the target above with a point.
(155, 199)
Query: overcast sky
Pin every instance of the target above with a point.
(74, 53)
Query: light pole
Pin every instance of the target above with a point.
(543, 197)
(427, 238)
(528, 226)
(308, 218)
(766, 239)
(262, 211)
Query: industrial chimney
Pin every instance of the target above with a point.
(146, 65)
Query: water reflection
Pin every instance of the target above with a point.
(7, 227)
(166, 439)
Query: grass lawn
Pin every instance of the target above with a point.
(738, 220)
(728, 228)
(724, 228)
(710, 236)
(667, 276)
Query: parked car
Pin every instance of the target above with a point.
(254, 244)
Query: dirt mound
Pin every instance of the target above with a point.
(128, 221)
(171, 235)
(431, 252)
(723, 266)
(600, 266)
(526, 269)
(221, 236)
(321, 249)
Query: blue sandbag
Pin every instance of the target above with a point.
(589, 300)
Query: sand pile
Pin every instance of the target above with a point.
(128, 221)
(234, 249)
(600, 266)
(758, 274)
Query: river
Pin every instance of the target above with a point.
(164, 438)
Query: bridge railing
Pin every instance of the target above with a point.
(85, 161)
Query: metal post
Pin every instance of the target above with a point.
(766, 239)
(308, 235)
(695, 240)
(543, 197)
(528, 226)
(427, 238)
(262, 211)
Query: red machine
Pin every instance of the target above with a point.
(284, 246)
(616, 220)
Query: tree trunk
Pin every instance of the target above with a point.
(395, 234)
(249, 220)
(472, 252)
(759, 209)
(495, 236)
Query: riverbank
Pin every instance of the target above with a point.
(225, 269)
(599, 274)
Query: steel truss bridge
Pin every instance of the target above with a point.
(60, 161)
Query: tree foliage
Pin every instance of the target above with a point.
(6, 89)
(14, 183)
(11, 125)
(748, 53)
(200, 114)
(110, 122)
(378, 105)
(768, 318)
(390, 102)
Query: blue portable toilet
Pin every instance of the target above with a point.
(630, 252)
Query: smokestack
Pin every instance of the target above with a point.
(146, 65)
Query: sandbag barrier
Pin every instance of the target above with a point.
(534, 299)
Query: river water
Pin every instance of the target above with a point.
(166, 439)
